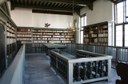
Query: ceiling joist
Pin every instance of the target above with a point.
(52, 12)
(69, 6)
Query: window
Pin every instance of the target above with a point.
(126, 35)
(119, 35)
(127, 8)
(121, 25)
(83, 22)
(110, 34)
(120, 12)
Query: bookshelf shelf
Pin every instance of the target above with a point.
(42, 35)
(96, 34)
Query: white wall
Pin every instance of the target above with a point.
(22, 17)
(102, 11)
(25, 17)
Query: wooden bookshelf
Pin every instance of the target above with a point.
(11, 34)
(44, 35)
(24, 35)
(8, 42)
(96, 34)
(11, 42)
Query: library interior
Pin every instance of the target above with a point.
(63, 41)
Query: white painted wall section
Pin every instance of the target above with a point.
(102, 11)
(22, 17)
(25, 17)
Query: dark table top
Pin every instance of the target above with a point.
(54, 46)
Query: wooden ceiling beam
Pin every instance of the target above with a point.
(49, 4)
(117, 1)
(43, 7)
(88, 3)
(52, 12)
(29, 2)
(40, 3)
(65, 1)
(21, 1)
(26, 2)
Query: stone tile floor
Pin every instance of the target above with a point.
(38, 71)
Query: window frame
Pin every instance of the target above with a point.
(125, 21)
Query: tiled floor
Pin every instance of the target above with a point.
(38, 71)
